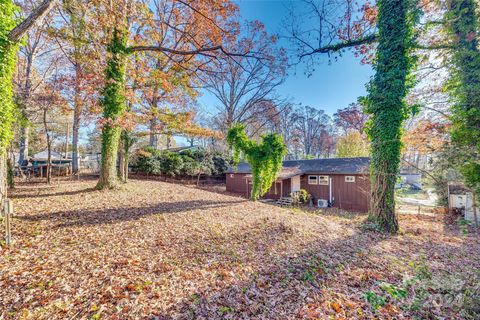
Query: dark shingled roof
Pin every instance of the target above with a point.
(457, 188)
(328, 166)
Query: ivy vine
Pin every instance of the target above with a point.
(265, 158)
(8, 52)
(464, 87)
(114, 104)
(386, 103)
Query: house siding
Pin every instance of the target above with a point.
(352, 196)
(237, 183)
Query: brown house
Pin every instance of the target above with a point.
(338, 182)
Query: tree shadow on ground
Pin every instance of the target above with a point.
(87, 217)
(305, 284)
(280, 285)
(53, 194)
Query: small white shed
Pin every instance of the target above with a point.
(460, 197)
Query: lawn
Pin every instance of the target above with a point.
(155, 250)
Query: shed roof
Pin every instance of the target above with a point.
(457, 188)
(331, 165)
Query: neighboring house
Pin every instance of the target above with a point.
(342, 182)
(460, 197)
(41, 158)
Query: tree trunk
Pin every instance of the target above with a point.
(108, 167)
(23, 152)
(125, 144)
(49, 147)
(121, 173)
(153, 142)
(474, 206)
(169, 141)
(49, 163)
(3, 177)
(75, 149)
(125, 162)
(10, 173)
(386, 104)
(113, 103)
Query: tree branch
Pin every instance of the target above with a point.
(342, 45)
(201, 51)
(37, 14)
(365, 40)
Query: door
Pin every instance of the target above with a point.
(295, 183)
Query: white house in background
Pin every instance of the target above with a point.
(460, 197)
(43, 155)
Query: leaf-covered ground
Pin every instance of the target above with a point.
(155, 250)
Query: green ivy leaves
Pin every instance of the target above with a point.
(265, 158)
(8, 53)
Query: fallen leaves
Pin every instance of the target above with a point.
(162, 251)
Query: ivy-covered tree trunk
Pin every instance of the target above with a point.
(8, 52)
(462, 25)
(113, 103)
(387, 106)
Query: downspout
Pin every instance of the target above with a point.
(330, 192)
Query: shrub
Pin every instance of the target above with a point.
(171, 163)
(147, 161)
(302, 196)
(190, 163)
(221, 163)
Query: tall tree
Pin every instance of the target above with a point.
(11, 32)
(351, 118)
(387, 106)
(309, 124)
(197, 30)
(245, 86)
(351, 145)
(72, 33)
(463, 27)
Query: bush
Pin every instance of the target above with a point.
(147, 161)
(171, 163)
(302, 196)
(189, 163)
(221, 163)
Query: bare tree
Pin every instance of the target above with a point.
(310, 124)
(52, 107)
(351, 118)
(245, 86)
(73, 37)
(326, 27)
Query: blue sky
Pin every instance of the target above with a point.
(332, 86)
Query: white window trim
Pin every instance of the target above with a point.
(324, 182)
(310, 181)
(347, 179)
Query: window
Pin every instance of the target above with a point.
(323, 180)
(349, 178)
(312, 180)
